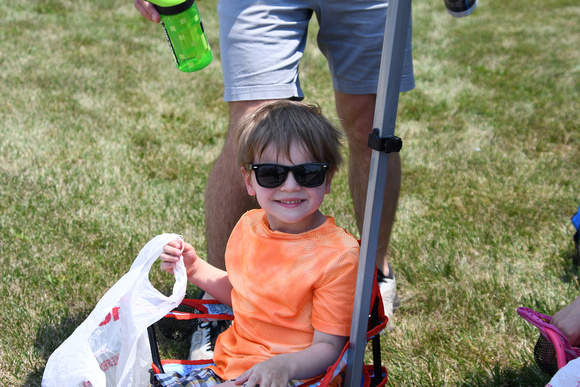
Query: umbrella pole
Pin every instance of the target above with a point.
(383, 141)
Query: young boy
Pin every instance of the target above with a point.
(291, 271)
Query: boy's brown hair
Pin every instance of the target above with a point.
(282, 122)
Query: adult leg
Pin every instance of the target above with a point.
(355, 67)
(257, 68)
(226, 198)
(356, 114)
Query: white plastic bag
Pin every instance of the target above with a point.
(567, 376)
(110, 348)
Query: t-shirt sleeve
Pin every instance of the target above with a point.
(334, 294)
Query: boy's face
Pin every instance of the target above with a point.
(290, 208)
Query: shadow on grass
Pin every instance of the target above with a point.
(49, 337)
(528, 375)
(572, 259)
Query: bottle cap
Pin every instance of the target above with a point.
(168, 7)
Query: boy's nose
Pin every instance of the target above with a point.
(290, 184)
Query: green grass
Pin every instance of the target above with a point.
(105, 144)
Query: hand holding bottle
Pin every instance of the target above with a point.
(183, 29)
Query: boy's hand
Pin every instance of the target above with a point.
(172, 252)
(147, 10)
(308, 363)
(212, 280)
(274, 372)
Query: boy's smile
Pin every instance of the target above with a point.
(290, 208)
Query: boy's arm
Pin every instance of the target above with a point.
(308, 363)
(212, 280)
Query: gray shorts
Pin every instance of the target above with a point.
(262, 41)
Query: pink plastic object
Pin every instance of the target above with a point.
(557, 343)
(564, 351)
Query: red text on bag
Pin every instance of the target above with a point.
(112, 362)
(114, 313)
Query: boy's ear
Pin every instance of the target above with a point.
(329, 176)
(247, 176)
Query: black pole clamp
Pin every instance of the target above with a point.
(387, 144)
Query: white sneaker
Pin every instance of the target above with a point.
(204, 338)
(391, 300)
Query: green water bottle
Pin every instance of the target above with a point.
(185, 35)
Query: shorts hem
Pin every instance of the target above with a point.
(257, 93)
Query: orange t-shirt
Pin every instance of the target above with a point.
(284, 287)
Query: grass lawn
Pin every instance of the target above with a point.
(105, 144)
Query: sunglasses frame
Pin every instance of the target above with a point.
(286, 169)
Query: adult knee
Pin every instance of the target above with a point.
(356, 114)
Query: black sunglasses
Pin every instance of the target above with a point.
(308, 175)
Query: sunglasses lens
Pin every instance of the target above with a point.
(309, 175)
(270, 176)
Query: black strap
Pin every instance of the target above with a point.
(378, 370)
